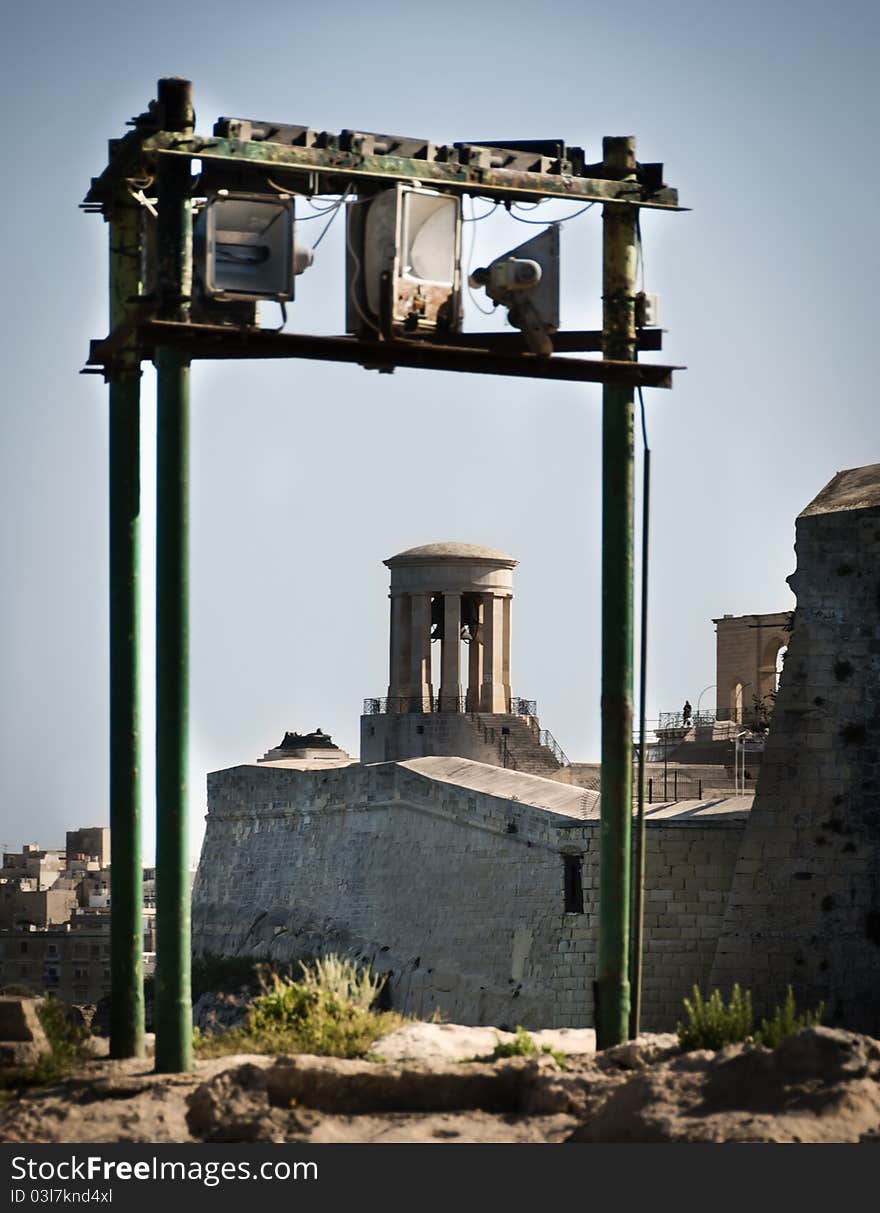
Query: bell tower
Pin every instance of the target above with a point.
(455, 594)
(449, 653)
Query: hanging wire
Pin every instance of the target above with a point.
(335, 209)
(485, 214)
(487, 311)
(352, 292)
(545, 222)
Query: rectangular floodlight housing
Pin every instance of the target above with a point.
(411, 259)
(249, 241)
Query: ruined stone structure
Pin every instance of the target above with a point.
(747, 661)
(804, 906)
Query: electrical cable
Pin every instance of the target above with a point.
(336, 209)
(352, 293)
(467, 277)
(546, 222)
(485, 215)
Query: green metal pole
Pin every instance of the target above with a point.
(619, 342)
(638, 911)
(126, 906)
(173, 1009)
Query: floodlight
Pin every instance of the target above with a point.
(248, 247)
(404, 257)
(526, 281)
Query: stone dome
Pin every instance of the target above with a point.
(451, 551)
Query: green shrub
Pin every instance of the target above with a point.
(522, 1045)
(786, 1021)
(712, 1025)
(328, 1012)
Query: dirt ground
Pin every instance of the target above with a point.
(822, 1085)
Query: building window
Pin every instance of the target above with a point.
(573, 885)
(23, 947)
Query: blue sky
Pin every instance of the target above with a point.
(305, 476)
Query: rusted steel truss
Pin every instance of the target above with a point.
(218, 341)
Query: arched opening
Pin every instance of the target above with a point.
(736, 703)
(780, 662)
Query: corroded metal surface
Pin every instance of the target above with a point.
(220, 341)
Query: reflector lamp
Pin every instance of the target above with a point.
(404, 259)
(248, 246)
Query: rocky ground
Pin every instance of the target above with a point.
(822, 1085)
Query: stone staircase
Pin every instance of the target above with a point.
(518, 742)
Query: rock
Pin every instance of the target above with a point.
(350, 1086)
(22, 1039)
(434, 1043)
(216, 1012)
(637, 1054)
(820, 1085)
(233, 1107)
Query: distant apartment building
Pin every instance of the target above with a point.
(55, 918)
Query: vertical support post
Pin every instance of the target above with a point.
(638, 911)
(618, 342)
(173, 964)
(126, 907)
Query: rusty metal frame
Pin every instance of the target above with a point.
(220, 341)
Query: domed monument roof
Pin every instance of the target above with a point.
(451, 551)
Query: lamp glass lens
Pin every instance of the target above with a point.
(429, 231)
(251, 252)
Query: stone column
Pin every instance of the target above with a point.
(401, 632)
(420, 653)
(475, 665)
(450, 654)
(492, 696)
(505, 663)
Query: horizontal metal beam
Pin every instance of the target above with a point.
(351, 168)
(567, 342)
(215, 341)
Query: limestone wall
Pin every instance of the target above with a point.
(458, 895)
(804, 906)
(745, 654)
(389, 735)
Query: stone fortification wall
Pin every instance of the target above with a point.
(457, 894)
(804, 906)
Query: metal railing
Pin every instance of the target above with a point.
(547, 739)
(401, 704)
(397, 704)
